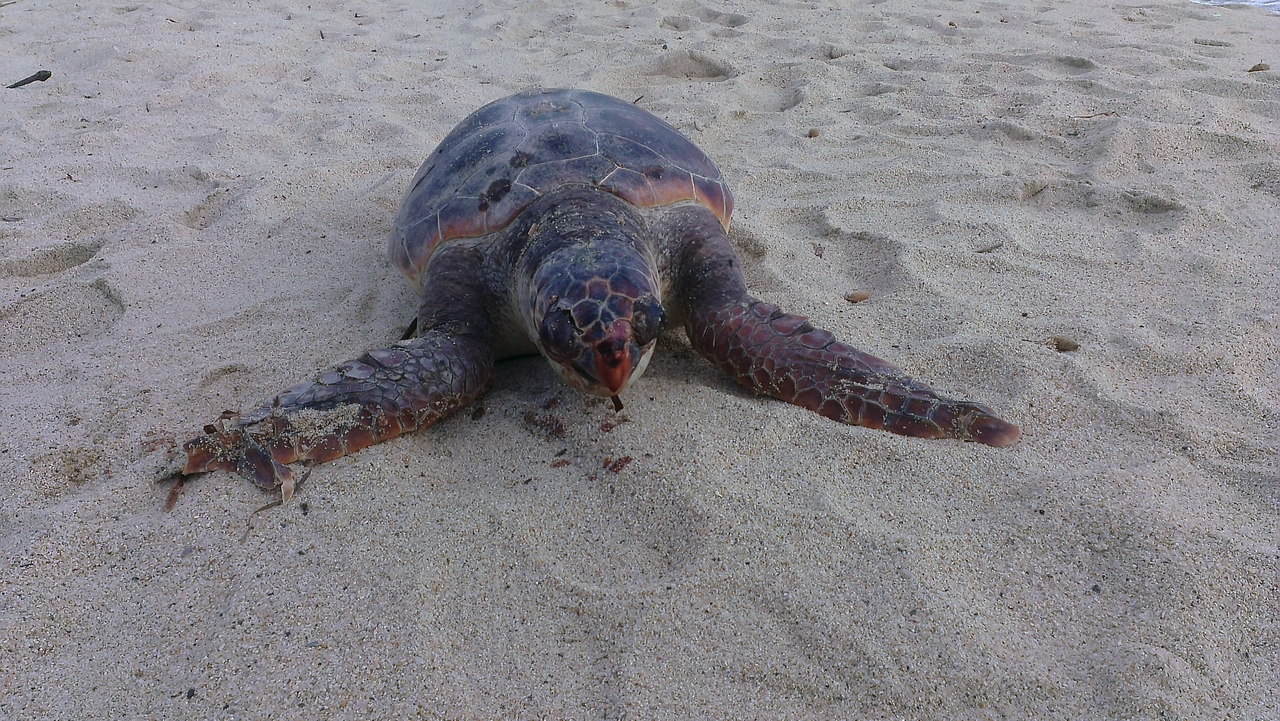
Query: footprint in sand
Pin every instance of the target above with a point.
(583, 559)
(1264, 177)
(727, 20)
(1146, 203)
(678, 23)
(692, 65)
(59, 312)
(653, 531)
(635, 540)
(582, 546)
(207, 212)
(1074, 64)
(52, 297)
(684, 23)
(48, 261)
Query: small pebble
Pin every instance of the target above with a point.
(857, 296)
(813, 132)
(1062, 344)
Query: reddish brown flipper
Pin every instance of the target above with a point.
(377, 396)
(365, 401)
(783, 355)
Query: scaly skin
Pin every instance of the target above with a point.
(782, 355)
(365, 401)
(591, 302)
(377, 396)
(565, 208)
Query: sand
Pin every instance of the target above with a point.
(194, 212)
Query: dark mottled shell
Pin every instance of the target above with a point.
(506, 154)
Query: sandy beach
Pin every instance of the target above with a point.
(1066, 210)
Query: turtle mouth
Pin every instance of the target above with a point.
(613, 364)
(606, 374)
(618, 360)
(611, 380)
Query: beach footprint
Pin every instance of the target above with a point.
(723, 19)
(605, 524)
(574, 555)
(781, 89)
(691, 65)
(48, 261)
(647, 534)
(58, 312)
(208, 211)
(56, 293)
(696, 15)
(1264, 178)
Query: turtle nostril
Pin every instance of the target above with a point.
(611, 353)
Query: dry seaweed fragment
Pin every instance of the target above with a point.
(39, 77)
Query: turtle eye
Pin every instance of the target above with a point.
(647, 320)
(558, 332)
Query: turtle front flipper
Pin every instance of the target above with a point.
(377, 396)
(783, 355)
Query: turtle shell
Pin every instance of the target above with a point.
(506, 154)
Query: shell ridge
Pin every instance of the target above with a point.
(515, 118)
(419, 221)
(665, 159)
(653, 192)
(512, 111)
(610, 174)
(480, 168)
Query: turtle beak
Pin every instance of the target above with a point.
(615, 358)
(608, 366)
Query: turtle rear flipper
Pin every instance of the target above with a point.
(783, 355)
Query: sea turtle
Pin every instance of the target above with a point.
(575, 225)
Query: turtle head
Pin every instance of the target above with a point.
(597, 319)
